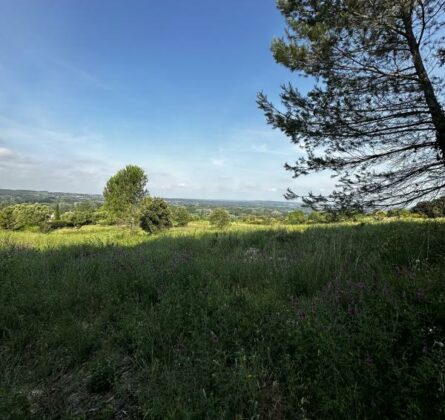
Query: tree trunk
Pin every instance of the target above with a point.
(435, 109)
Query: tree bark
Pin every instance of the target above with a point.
(435, 109)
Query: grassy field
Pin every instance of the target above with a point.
(335, 321)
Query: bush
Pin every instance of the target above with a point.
(219, 218)
(257, 220)
(317, 217)
(7, 218)
(155, 215)
(296, 217)
(82, 214)
(399, 213)
(379, 215)
(181, 216)
(103, 217)
(432, 209)
(57, 224)
(21, 216)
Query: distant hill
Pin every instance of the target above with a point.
(28, 196)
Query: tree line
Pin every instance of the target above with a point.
(127, 202)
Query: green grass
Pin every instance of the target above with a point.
(338, 321)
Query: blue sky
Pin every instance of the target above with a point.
(88, 86)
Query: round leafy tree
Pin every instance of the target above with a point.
(296, 217)
(181, 216)
(155, 215)
(219, 218)
(124, 191)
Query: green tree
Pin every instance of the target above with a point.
(155, 215)
(296, 217)
(181, 216)
(124, 192)
(57, 212)
(219, 218)
(375, 117)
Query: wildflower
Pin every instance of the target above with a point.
(214, 337)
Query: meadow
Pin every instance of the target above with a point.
(321, 321)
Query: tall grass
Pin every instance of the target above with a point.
(343, 321)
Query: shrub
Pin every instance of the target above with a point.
(399, 213)
(82, 214)
(379, 215)
(155, 215)
(103, 217)
(317, 217)
(20, 216)
(219, 218)
(181, 216)
(432, 209)
(296, 217)
(57, 224)
(7, 218)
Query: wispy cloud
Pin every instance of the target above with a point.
(80, 73)
(44, 157)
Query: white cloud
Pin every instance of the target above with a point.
(6, 153)
(48, 158)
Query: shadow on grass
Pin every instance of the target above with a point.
(321, 323)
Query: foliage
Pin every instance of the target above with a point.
(318, 217)
(433, 208)
(322, 322)
(57, 212)
(219, 218)
(82, 214)
(257, 220)
(375, 117)
(124, 191)
(21, 216)
(7, 220)
(181, 216)
(155, 215)
(296, 217)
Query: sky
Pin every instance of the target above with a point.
(89, 86)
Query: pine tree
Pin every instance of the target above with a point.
(57, 212)
(375, 116)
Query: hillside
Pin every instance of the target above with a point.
(337, 321)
